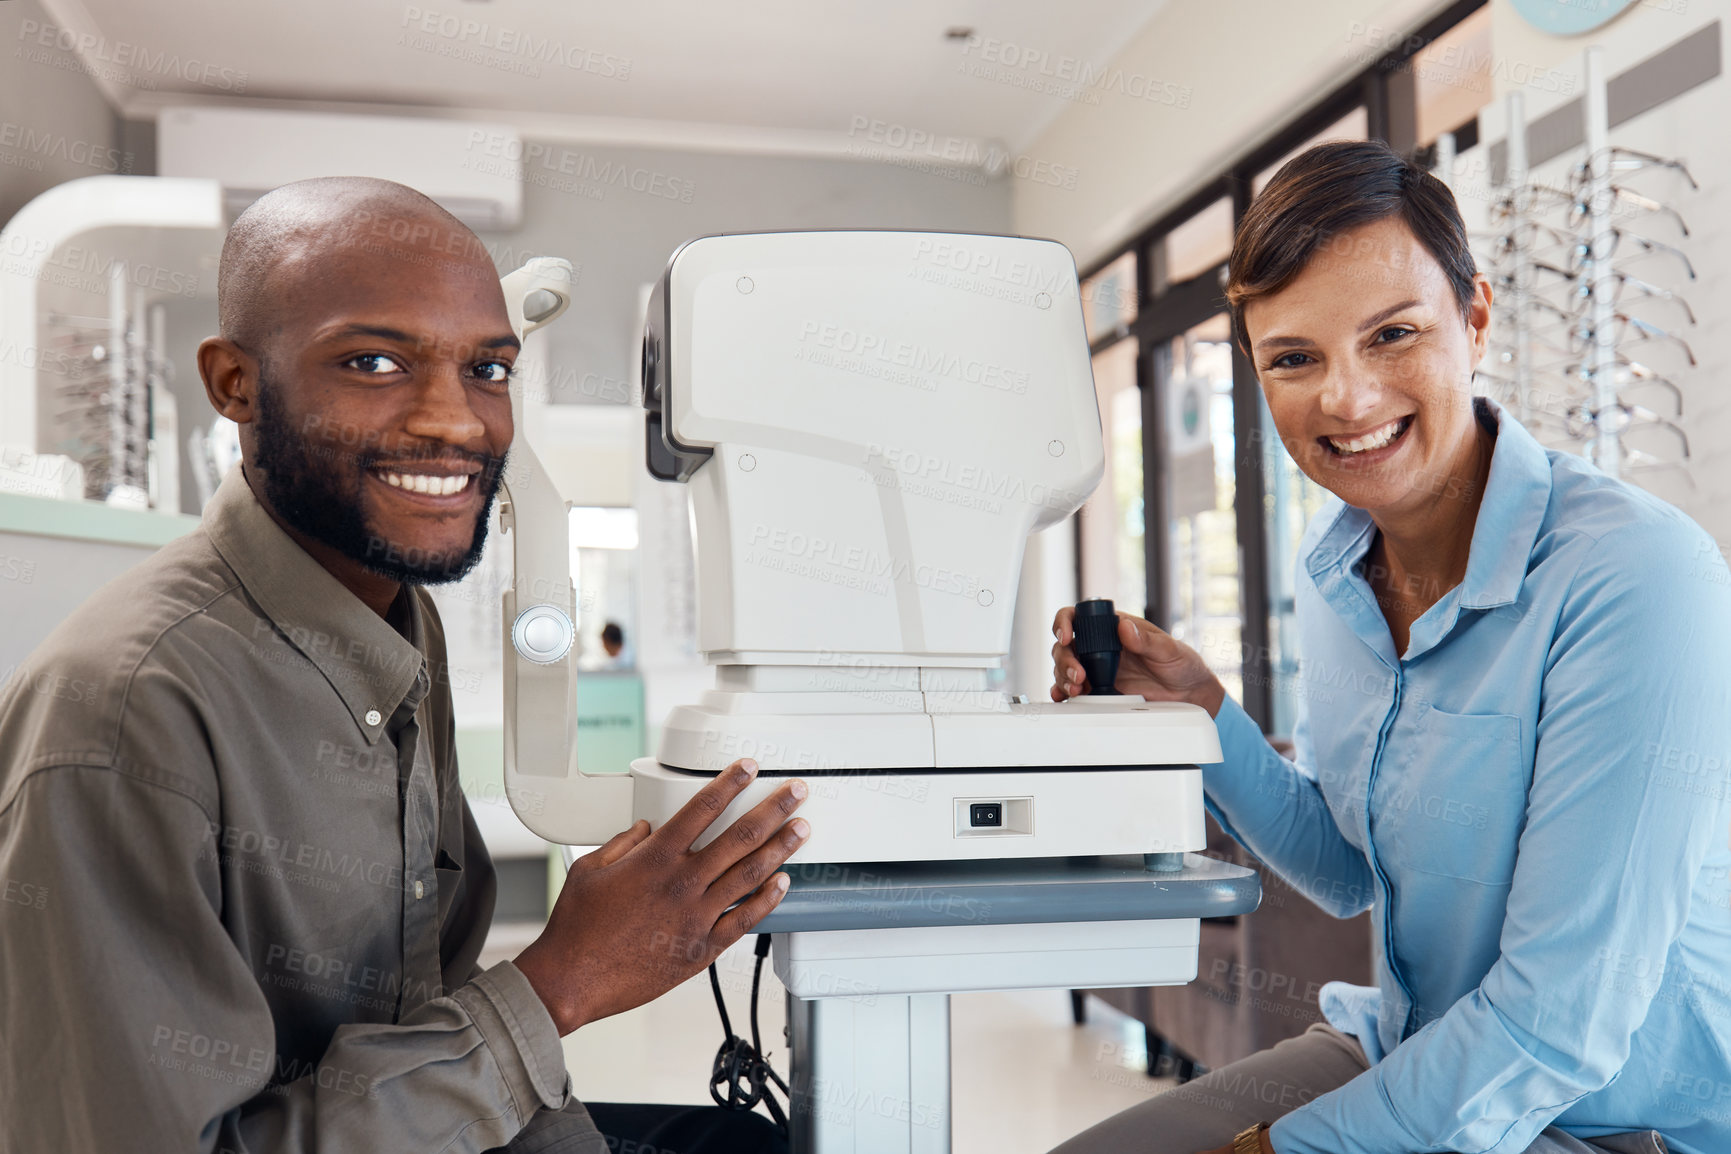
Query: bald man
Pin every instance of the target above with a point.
(245, 893)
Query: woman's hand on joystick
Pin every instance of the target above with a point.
(1154, 665)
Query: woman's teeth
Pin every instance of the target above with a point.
(426, 483)
(1375, 439)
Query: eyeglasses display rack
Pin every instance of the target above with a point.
(1587, 351)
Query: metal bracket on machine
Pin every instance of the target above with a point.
(543, 783)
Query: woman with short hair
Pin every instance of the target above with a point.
(1520, 766)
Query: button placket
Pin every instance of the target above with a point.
(421, 964)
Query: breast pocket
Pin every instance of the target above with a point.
(1456, 800)
(449, 873)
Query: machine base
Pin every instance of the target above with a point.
(870, 955)
(890, 816)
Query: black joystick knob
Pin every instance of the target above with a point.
(1096, 643)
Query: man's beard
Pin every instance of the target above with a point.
(319, 492)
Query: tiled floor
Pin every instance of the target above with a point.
(1023, 1077)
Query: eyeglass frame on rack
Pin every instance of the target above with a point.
(1579, 205)
(1582, 252)
(1634, 161)
(1583, 333)
(1585, 288)
(1634, 416)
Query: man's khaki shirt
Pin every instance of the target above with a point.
(244, 894)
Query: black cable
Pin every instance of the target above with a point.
(742, 1066)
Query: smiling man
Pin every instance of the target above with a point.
(258, 895)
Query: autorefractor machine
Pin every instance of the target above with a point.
(871, 424)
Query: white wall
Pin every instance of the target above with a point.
(55, 124)
(621, 239)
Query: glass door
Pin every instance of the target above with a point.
(1291, 500)
(1110, 538)
(1112, 523)
(1194, 380)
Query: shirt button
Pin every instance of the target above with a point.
(420, 890)
(374, 717)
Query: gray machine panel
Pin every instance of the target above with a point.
(1008, 892)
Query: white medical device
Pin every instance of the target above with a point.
(871, 424)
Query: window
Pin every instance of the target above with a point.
(1109, 298)
(1113, 542)
(1291, 499)
(1201, 460)
(1355, 125)
(1452, 77)
(1198, 245)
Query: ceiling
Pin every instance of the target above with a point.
(766, 74)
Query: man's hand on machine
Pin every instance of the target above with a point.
(646, 911)
(1154, 665)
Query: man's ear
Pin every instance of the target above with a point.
(230, 379)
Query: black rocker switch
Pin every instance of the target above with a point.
(986, 815)
(1096, 643)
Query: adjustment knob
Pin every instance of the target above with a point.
(1096, 643)
(543, 634)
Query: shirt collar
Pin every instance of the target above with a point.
(372, 667)
(1516, 496)
(1517, 493)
